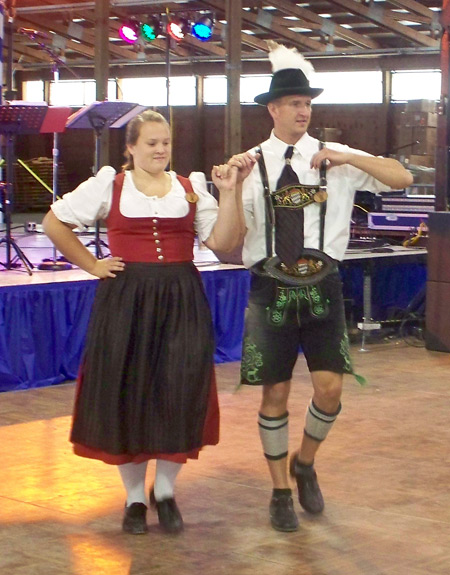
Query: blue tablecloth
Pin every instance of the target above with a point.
(43, 326)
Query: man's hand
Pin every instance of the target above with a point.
(244, 163)
(388, 171)
(330, 157)
(106, 268)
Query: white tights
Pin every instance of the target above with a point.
(133, 478)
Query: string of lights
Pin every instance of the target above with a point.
(175, 27)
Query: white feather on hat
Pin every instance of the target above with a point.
(282, 57)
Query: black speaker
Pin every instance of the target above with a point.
(437, 315)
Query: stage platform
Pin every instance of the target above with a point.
(44, 316)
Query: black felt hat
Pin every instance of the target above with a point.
(288, 82)
(290, 75)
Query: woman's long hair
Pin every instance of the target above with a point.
(134, 129)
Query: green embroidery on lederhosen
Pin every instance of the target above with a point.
(277, 311)
(345, 352)
(251, 361)
(318, 306)
(312, 296)
(348, 367)
(286, 297)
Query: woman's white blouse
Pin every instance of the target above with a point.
(91, 201)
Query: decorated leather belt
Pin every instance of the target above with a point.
(311, 267)
(298, 196)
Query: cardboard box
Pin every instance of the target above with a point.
(403, 139)
(427, 141)
(326, 134)
(421, 106)
(427, 160)
(413, 119)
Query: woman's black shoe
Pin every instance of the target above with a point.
(169, 515)
(134, 520)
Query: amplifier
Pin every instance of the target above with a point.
(408, 204)
(395, 221)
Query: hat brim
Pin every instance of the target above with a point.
(267, 97)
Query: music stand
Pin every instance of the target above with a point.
(55, 122)
(16, 119)
(98, 116)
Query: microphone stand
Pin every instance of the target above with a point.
(54, 263)
(34, 35)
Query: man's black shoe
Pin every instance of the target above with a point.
(134, 520)
(282, 514)
(309, 493)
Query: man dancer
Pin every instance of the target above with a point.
(282, 317)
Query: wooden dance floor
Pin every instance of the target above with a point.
(384, 472)
(384, 469)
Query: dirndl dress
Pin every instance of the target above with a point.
(146, 387)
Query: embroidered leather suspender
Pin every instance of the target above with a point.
(313, 264)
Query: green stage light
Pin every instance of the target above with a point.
(151, 29)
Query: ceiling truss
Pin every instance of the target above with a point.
(320, 29)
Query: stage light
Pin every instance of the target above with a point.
(129, 31)
(151, 29)
(177, 28)
(203, 28)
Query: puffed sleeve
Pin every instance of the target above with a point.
(89, 202)
(207, 206)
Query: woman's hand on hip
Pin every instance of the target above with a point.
(107, 267)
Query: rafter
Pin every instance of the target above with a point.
(380, 16)
(84, 46)
(272, 24)
(247, 39)
(325, 25)
(320, 28)
(31, 55)
(415, 8)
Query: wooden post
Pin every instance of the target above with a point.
(442, 183)
(438, 280)
(101, 66)
(233, 68)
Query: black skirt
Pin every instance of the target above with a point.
(146, 375)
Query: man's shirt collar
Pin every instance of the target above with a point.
(305, 146)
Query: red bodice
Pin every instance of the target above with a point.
(150, 239)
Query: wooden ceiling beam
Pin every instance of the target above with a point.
(266, 21)
(380, 16)
(70, 44)
(325, 25)
(31, 55)
(415, 8)
(246, 39)
(87, 39)
(207, 47)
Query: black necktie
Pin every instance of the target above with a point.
(288, 222)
